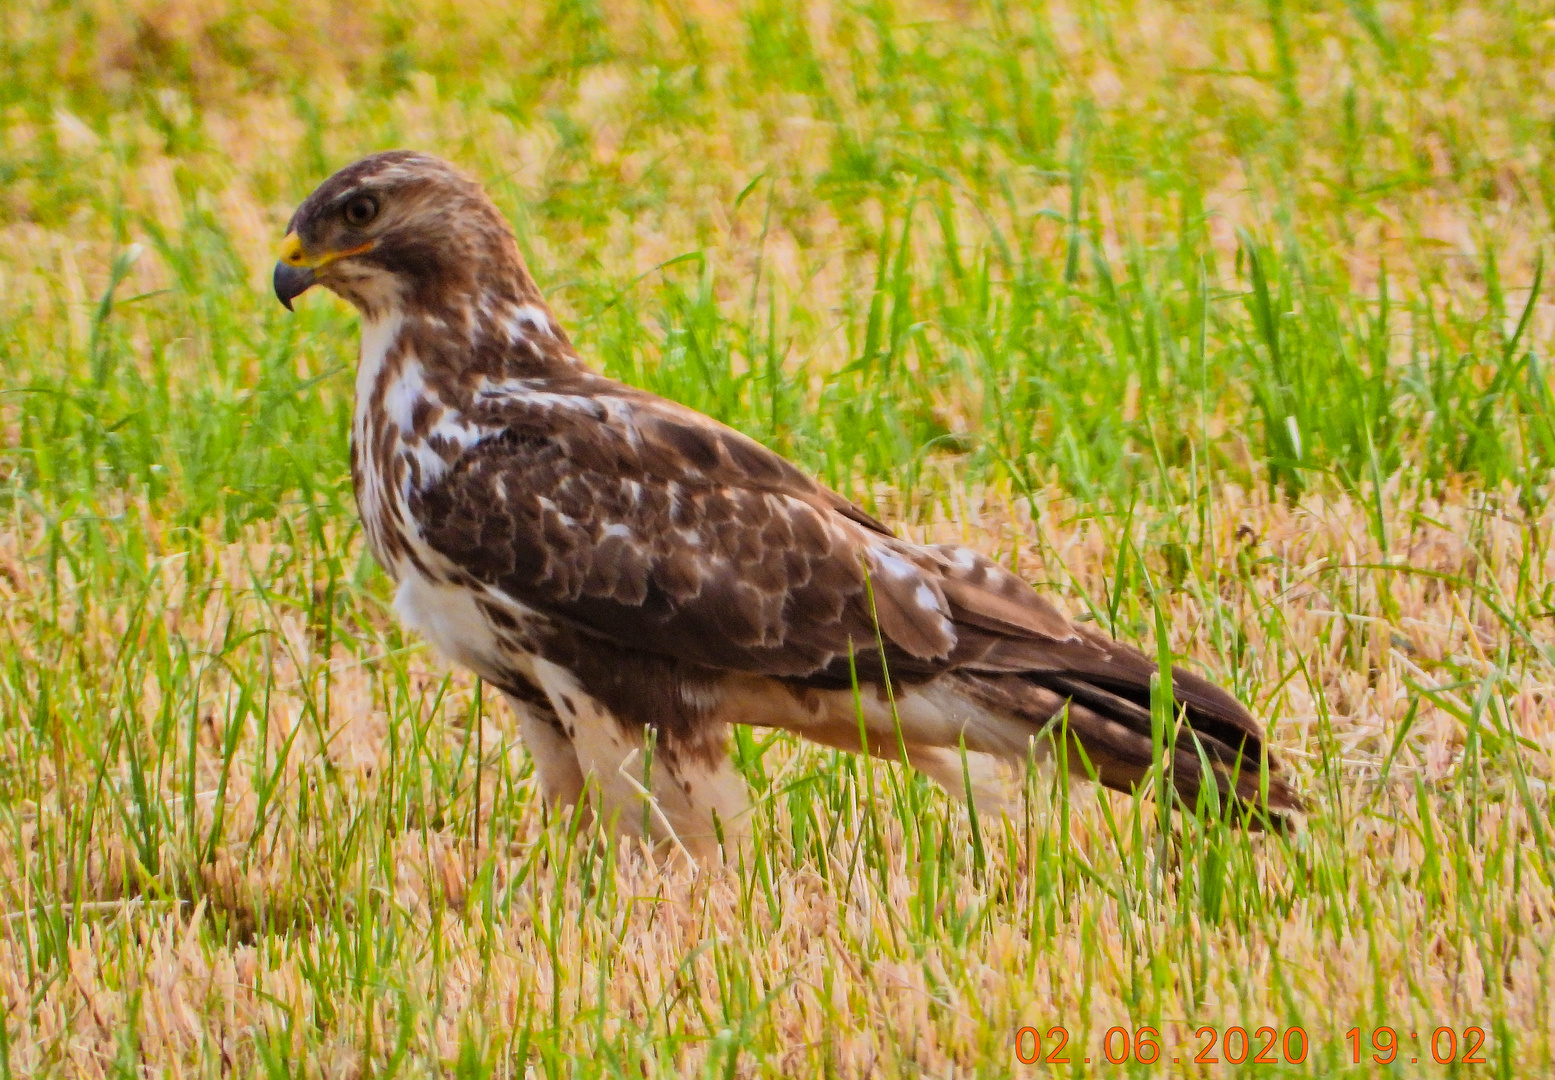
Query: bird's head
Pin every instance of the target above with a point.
(400, 228)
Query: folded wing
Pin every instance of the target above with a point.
(653, 528)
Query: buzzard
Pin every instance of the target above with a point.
(635, 576)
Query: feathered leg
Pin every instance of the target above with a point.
(642, 788)
(556, 762)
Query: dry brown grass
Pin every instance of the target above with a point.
(199, 958)
(246, 828)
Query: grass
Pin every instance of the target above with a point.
(1227, 327)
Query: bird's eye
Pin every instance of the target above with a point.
(360, 210)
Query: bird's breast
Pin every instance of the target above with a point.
(492, 635)
(404, 438)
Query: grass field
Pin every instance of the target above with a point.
(1224, 321)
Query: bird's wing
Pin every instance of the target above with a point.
(652, 526)
(655, 528)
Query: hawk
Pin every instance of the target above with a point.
(635, 576)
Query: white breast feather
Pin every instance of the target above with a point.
(449, 618)
(445, 615)
(378, 337)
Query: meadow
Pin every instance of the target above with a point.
(1225, 324)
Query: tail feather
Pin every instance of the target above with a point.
(1018, 657)
(1106, 719)
(1112, 737)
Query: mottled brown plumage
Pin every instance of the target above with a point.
(620, 564)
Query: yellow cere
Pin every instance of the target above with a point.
(293, 255)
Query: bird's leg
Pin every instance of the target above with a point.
(556, 762)
(703, 797)
(643, 789)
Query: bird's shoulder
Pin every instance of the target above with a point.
(597, 426)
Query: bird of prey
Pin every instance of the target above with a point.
(636, 577)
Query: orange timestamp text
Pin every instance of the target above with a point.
(1262, 1046)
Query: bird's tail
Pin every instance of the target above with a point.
(1101, 722)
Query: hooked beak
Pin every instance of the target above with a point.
(293, 275)
(295, 271)
(291, 282)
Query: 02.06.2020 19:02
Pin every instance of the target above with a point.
(1265, 1046)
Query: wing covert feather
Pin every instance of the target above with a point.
(654, 527)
